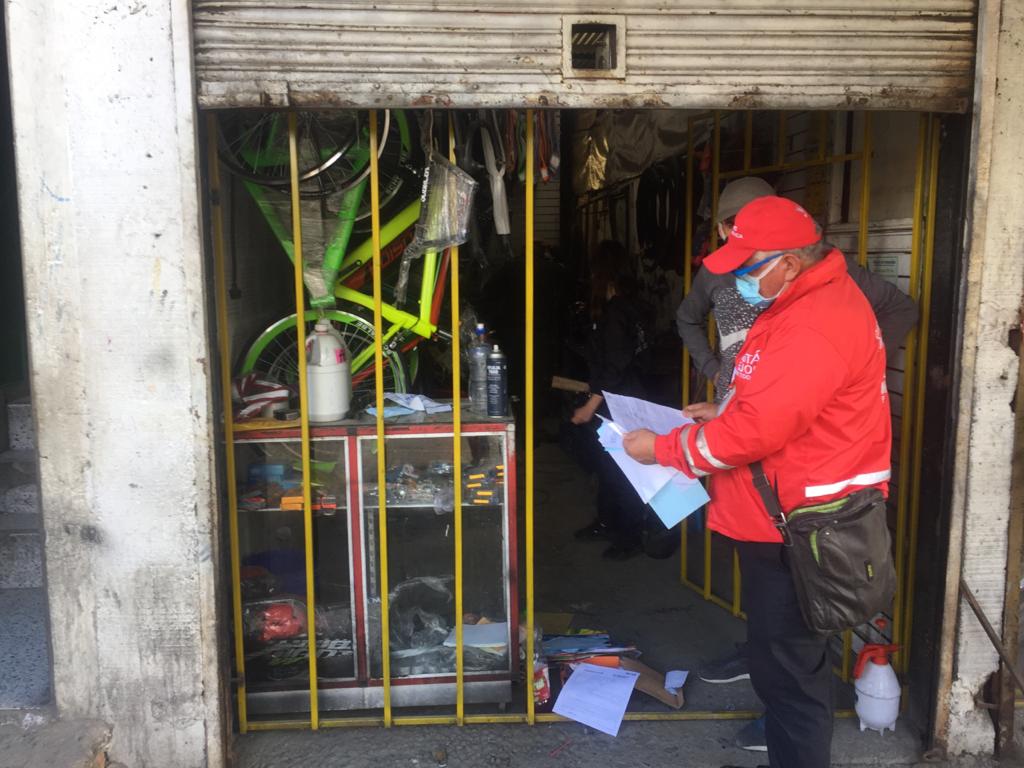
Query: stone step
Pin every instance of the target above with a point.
(20, 499)
(21, 430)
(24, 652)
(21, 560)
(21, 523)
(17, 468)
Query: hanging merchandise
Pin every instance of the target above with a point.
(445, 211)
(328, 373)
(496, 176)
(497, 383)
(878, 689)
(478, 351)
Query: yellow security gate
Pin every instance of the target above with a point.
(698, 546)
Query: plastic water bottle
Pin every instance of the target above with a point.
(478, 370)
(878, 689)
(497, 383)
(328, 374)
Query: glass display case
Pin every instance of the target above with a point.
(346, 560)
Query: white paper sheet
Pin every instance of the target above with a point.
(417, 402)
(675, 679)
(481, 635)
(633, 413)
(672, 495)
(596, 696)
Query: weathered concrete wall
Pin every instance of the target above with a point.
(995, 279)
(106, 161)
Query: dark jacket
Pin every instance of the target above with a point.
(618, 347)
(895, 311)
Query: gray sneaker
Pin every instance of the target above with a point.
(728, 669)
(752, 736)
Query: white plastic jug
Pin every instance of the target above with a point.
(328, 374)
(878, 689)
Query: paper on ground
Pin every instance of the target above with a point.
(596, 696)
(481, 635)
(675, 679)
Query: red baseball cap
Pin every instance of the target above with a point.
(765, 224)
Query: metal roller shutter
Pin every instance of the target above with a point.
(871, 54)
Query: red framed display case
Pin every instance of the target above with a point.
(421, 557)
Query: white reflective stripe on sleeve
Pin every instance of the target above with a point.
(709, 457)
(684, 441)
(868, 478)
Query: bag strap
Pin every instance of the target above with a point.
(771, 501)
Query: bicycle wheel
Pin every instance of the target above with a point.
(254, 145)
(275, 354)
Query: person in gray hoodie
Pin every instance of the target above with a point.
(716, 295)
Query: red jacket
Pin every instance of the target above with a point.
(808, 399)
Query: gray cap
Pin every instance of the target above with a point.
(740, 192)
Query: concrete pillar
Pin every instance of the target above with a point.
(984, 440)
(105, 139)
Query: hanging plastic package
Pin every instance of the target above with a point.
(446, 205)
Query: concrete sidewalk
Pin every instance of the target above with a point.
(691, 744)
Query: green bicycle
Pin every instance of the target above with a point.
(333, 185)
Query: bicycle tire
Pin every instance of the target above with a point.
(254, 146)
(274, 354)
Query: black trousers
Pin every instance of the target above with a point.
(618, 505)
(789, 664)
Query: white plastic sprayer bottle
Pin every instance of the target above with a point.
(878, 689)
(328, 374)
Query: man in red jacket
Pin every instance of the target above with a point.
(808, 399)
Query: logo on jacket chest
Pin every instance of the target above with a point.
(746, 364)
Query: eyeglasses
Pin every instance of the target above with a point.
(747, 270)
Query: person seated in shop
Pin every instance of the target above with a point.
(617, 351)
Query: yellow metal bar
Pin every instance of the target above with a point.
(687, 284)
(425, 720)
(528, 397)
(351, 722)
(865, 191)
(909, 372)
(922, 366)
(793, 165)
(224, 349)
(847, 645)
(496, 719)
(716, 167)
(300, 331)
(736, 583)
(688, 246)
(279, 725)
(460, 682)
(748, 141)
(378, 377)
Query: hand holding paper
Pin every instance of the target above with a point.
(639, 445)
(629, 440)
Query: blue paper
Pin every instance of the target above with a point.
(677, 501)
(574, 643)
(391, 410)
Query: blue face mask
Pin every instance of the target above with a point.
(749, 287)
